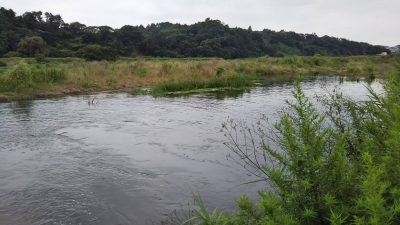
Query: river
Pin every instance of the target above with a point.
(129, 159)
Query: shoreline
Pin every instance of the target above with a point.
(133, 90)
(50, 95)
(59, 77)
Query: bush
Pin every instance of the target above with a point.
(18, 76)
(97, 52)
(335, 166)
(30, 46)
(23, 75)
(3, 64)
(55, 52)
(40, 58)
(11, 54)
(219, 71)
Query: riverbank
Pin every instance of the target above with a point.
(25, 78)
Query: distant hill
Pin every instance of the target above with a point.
(210, 38)
(394, 49)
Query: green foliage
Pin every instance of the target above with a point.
(209, 38)
(48, 74)
(11, 54)
(18, 77)
(40, 58)
(236, 81)
(23, 76)
(291, 60)
(203, 217)
(97, 52)
(3, 64)
(30, 46)
(219, 71)
(335, 166)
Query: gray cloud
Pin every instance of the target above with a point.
(373, 21)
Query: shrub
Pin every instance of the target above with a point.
(11, 54)
(97, 52)
(219, 71)
(332, 166)
(56, 52)
(30, 46)
(23, 75)
(18, 76)
(3, 64)
(40, 58)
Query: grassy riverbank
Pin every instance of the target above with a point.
(26, 78)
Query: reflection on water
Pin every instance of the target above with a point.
(128, 159)
(218, 94)
(22, 109)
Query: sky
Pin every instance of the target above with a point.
(372, 21)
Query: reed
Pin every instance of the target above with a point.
(80, 76)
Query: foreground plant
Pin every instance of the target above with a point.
(338, 166)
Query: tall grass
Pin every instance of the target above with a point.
(77, 75)
(236, 81)
(23, 76)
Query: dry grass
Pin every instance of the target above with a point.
(125, 74)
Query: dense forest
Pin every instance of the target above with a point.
(46, 34)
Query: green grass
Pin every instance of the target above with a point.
(236, 82)
(23, 76)
(57, 76)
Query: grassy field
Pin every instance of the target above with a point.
(25, 78)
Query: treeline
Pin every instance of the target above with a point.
(44, 33)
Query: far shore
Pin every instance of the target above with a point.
(58, 77)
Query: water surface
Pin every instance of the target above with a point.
(128, 159)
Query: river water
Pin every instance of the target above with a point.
(129, 159)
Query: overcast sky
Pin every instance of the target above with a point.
(373, 21)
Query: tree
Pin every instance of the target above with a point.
(54, 21)
(207, 38)
(30, 46)
(75, 28)
(97, 52)
(33, 19)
